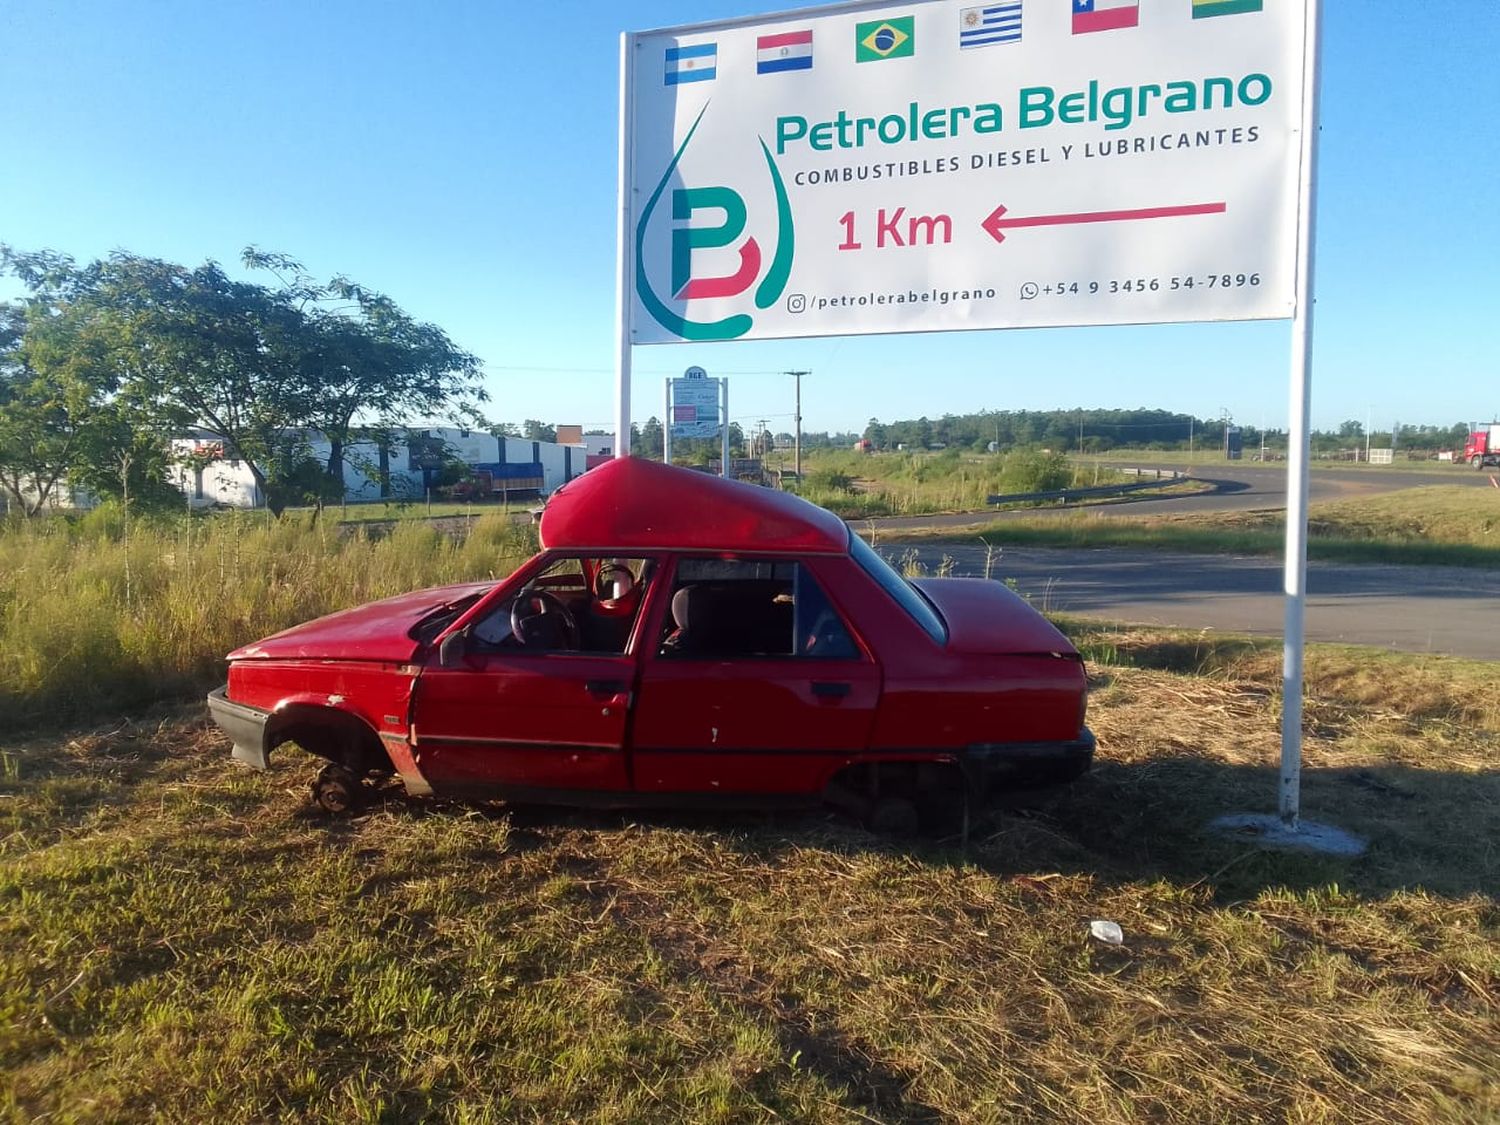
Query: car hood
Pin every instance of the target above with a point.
(988, 617)
(376, 631)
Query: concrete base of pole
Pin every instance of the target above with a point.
(1268, 830)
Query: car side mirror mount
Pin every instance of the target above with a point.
(452, 651)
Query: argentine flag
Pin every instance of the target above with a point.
(697, 63)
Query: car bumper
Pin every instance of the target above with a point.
(1002, 765)
(245, 726)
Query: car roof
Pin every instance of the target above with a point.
(631, 504)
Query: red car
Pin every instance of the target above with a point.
(680, 639)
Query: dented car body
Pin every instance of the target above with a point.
(679, 639)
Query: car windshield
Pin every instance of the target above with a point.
(906, 595)
(426, 630)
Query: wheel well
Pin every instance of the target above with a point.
(335, 735)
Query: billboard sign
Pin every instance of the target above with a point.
(941, 165)
(695, 405)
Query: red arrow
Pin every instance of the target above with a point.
(995, 225)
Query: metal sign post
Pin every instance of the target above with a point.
(666, 429)
(624, 257)
(724, 423)
(1299, 439)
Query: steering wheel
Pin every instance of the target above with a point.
(531, 603)
(613, 583)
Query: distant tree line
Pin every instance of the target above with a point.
(102, 365)
(1097, 431)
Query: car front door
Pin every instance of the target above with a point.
(756, 686)
(538, 701)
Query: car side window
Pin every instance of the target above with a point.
(573, 605)
(732, 608)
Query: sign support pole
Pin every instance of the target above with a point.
(666, 430)
(724, 422)
(623, 256)
(1298, 443)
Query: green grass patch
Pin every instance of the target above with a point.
(865, 486)
(1439, 525)
(182, 939)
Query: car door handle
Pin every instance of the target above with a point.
(606, 687)
(826, 689)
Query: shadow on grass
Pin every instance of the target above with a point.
(1122, 823)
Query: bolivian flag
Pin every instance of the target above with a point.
(1202, 9)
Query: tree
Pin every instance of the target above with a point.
(533, 430)
(155, 349)
(179, 348)
(359, 354)
(651, 440)
(60, 418)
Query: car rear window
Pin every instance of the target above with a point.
(917, 607)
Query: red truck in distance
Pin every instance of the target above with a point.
(1483, 447)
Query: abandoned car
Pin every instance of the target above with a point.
(680, 639)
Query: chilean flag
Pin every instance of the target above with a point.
(1104, 15)
(791, 50)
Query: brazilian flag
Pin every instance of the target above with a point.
(885, 39)
(1203, 9)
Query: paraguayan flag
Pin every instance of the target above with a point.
(994, 23)
(791, 50)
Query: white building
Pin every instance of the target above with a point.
(404, 470)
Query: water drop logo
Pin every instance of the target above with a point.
(713, 219)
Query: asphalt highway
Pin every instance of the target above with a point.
(1449, 610)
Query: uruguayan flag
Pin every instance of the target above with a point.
(692, 64)
(994, 23)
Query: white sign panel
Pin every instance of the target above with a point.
(941, 165)
(695, 408)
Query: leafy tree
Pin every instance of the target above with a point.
(533, 430)
(181, 348)
(60, 418)
(359, 354)
(651, 439)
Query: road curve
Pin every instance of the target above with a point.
(1449, 610)
(1236, 488)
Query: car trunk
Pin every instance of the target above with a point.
(988, 617)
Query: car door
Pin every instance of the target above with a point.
(756, 686)
(544, 713)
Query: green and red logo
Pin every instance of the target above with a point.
(713, 219)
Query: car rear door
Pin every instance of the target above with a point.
(772, 697)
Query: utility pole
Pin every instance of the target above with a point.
(1369, 421)
(797, 375)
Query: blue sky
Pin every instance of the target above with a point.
(461, 158)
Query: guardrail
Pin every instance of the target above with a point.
(1160, 479)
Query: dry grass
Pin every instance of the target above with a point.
(101, 614)
(181, 939)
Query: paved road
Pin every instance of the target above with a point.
(1237, 488)
(1409, 609)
